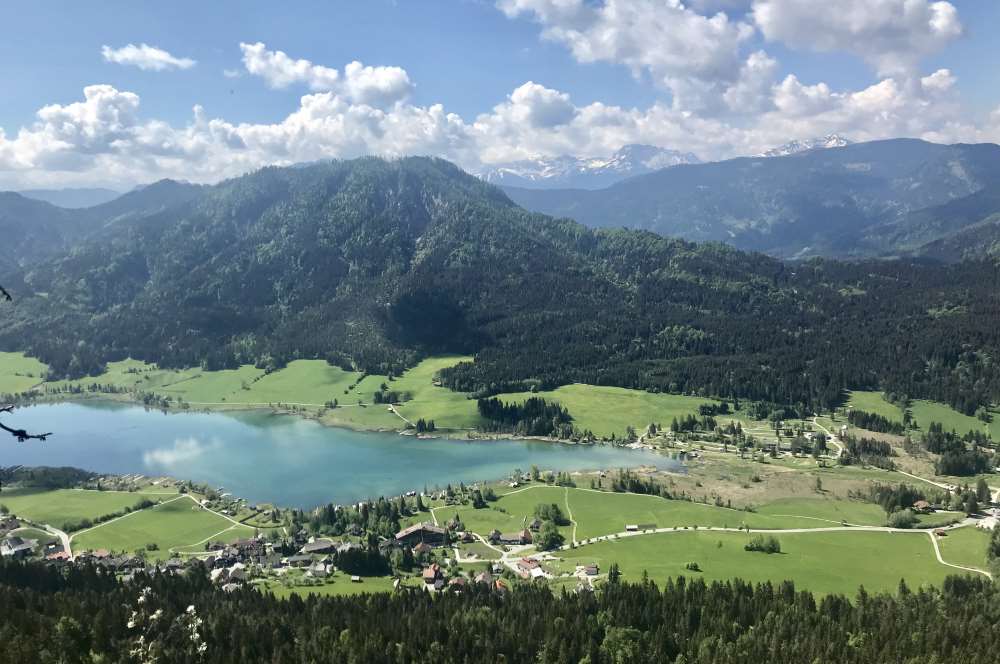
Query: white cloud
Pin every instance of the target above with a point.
(539, 106)
(145, 57)
(891, 35)
(376, 86)
(280, 71)
(751, 93)
(232, 73)
(696, 57)
(104, 139)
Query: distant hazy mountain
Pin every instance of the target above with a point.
(865, 199)
(72, 198)
(794, 147)
(586, 172)
(34, 229)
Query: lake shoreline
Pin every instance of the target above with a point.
(267, 456)
(445, 433)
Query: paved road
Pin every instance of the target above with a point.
(63, 537)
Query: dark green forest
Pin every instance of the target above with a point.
(373, 264)
(81, 615)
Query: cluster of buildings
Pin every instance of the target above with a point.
(435, 580)
(17, 547)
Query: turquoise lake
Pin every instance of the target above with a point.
(282, 459)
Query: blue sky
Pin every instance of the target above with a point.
(601, 73)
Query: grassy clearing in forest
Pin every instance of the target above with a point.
(610, 410)
(873, 402)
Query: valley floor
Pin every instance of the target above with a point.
(830, 541)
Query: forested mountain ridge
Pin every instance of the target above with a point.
(31, 229)
(864, 199)
(977, 241)
(374, 263)
(34, 229)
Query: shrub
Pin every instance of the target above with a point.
(903, 519)
(763, 544)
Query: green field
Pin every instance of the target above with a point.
(19, 373)
(609, 410)
(334, 586)
(872, 402)
(924, 412)
(821, 562)
(176, 524)
(599, 513)
(852, 511)
(965, 547)
(448, 409)
(309, 383)
(478, 549)
(56, 507)
(512, 512)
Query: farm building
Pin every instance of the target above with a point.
(422, 533)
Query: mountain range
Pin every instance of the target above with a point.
(883, 198)
(374, 264)
(72, 197)
(795, 147)
(585, 172)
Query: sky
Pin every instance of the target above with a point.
(117, 94)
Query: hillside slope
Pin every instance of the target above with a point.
(373, 264)
(856, 200)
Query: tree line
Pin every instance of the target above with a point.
(81, 615)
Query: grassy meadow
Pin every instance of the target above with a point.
(19, 373)
(175, 524)
(824, 563)
(965, 547)
(599, 513)
(609, 410)
(59, 506)
(873, 402)
(925, 412)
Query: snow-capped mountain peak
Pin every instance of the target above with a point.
(586, 172)
(794, 147)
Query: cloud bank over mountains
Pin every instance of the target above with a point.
(722, 93)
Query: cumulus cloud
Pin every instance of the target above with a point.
(697, 57)
(539, 106)
(105, 139)
(280, 71)
(892, 35)
(145, 57)
(377, 86)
